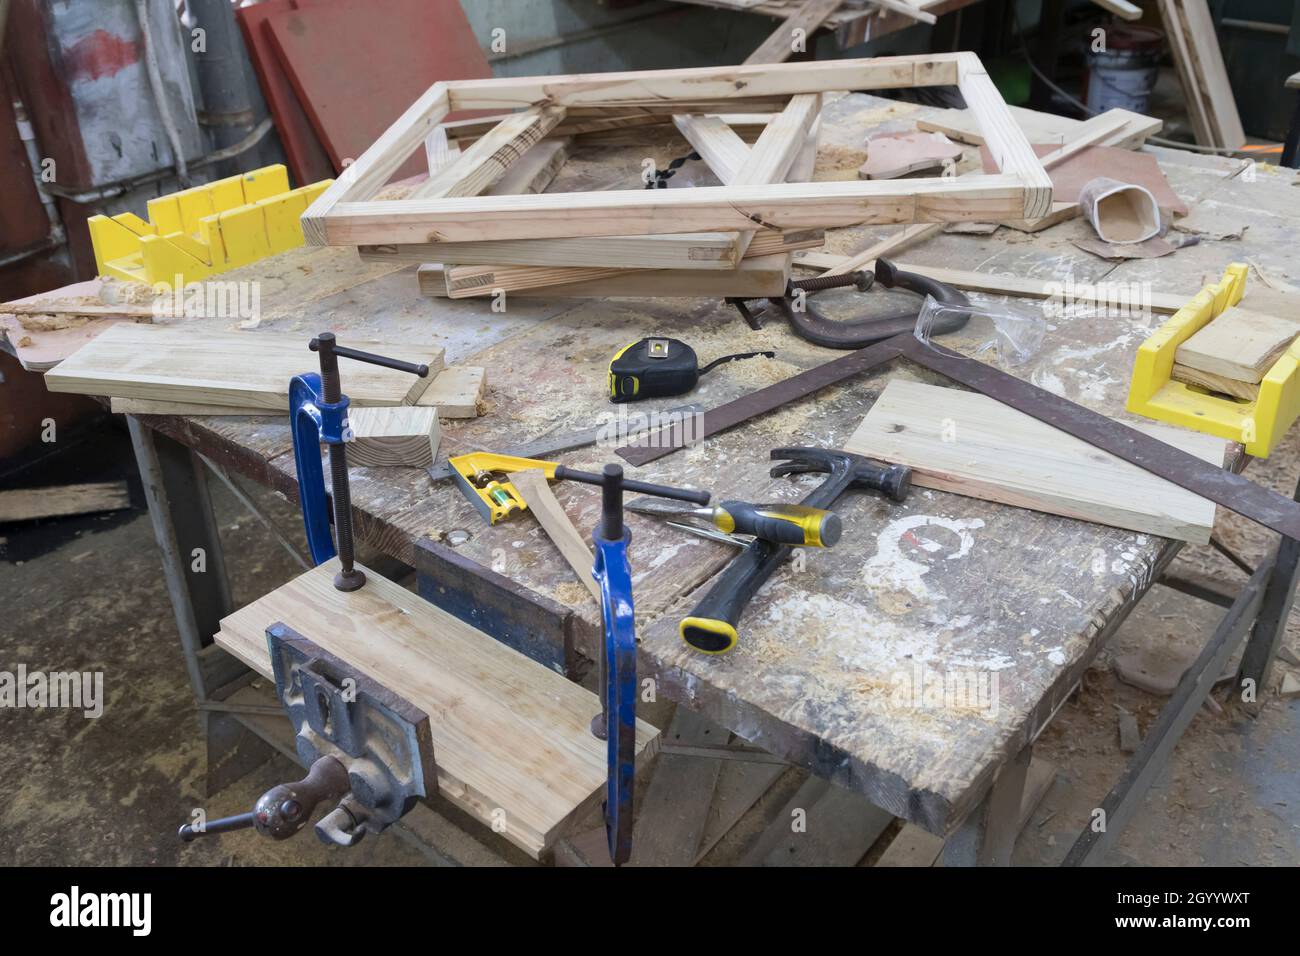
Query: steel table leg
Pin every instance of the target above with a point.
(180, 509)
(1270, 625)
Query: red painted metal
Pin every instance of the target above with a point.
(308, 162)
(357, 65)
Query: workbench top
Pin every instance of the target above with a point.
(838, 658)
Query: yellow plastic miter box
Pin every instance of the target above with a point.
(208, 229)
(1258, 424)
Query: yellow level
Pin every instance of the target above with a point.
(201, 231)
(1258, 424)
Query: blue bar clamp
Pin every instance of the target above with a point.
(318, 412)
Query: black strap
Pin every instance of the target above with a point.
(738, 355)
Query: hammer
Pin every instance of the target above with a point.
(711, 627)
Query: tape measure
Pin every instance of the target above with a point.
(658, 367)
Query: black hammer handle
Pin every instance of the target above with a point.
(711, 626)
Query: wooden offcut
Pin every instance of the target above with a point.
(397, 436)
(512, 738)
(457, 392)
(970, 444)
(234, 369)
(28, 504)
(1239, 344)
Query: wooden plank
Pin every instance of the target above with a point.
(759, 276)
(238, 369)
(723, 83)
(671, 817)
(1039, 128)
(546, 508)
(713, 250)
(484, 162)
(397, 436)
(1215, 383)
(145, 406)
(1239, 344)
(1184, 61)
(970, 444)
(512, 738)
(457, 392)
(1002, 137)
(802, 22)
(822, 205)
(533, 171)
(1210, 73)
(468, 281)
(717, 143)
(28, 504)
(1101, 294)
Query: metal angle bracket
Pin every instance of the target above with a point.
(1219, 485)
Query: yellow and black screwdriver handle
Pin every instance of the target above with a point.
(797, 525)
(711, 626)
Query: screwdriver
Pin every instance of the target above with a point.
(797, 525)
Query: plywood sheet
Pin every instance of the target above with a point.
(1072, 173)
(512, 739)
(973, 445)
(236, 369)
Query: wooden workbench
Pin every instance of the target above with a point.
(940, 585)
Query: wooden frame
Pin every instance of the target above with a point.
(448, 209)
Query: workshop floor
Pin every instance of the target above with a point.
(86, 594)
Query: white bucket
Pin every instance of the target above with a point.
(1123, 75)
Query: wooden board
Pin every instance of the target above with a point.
(457, 392)
(543, 506)
(1239, 344)
(797, 27)
(1209, 96)
(756, 277)
(1215, 383)
(396, 436)
(239, 369)
(970, 444)
(357, 64)
(145, 406)
(1100, 294)
(1039, 128)
(27, 504)
(468, 281)
(512, 738)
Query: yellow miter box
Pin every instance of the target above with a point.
(1258, 424)
(208, 229)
